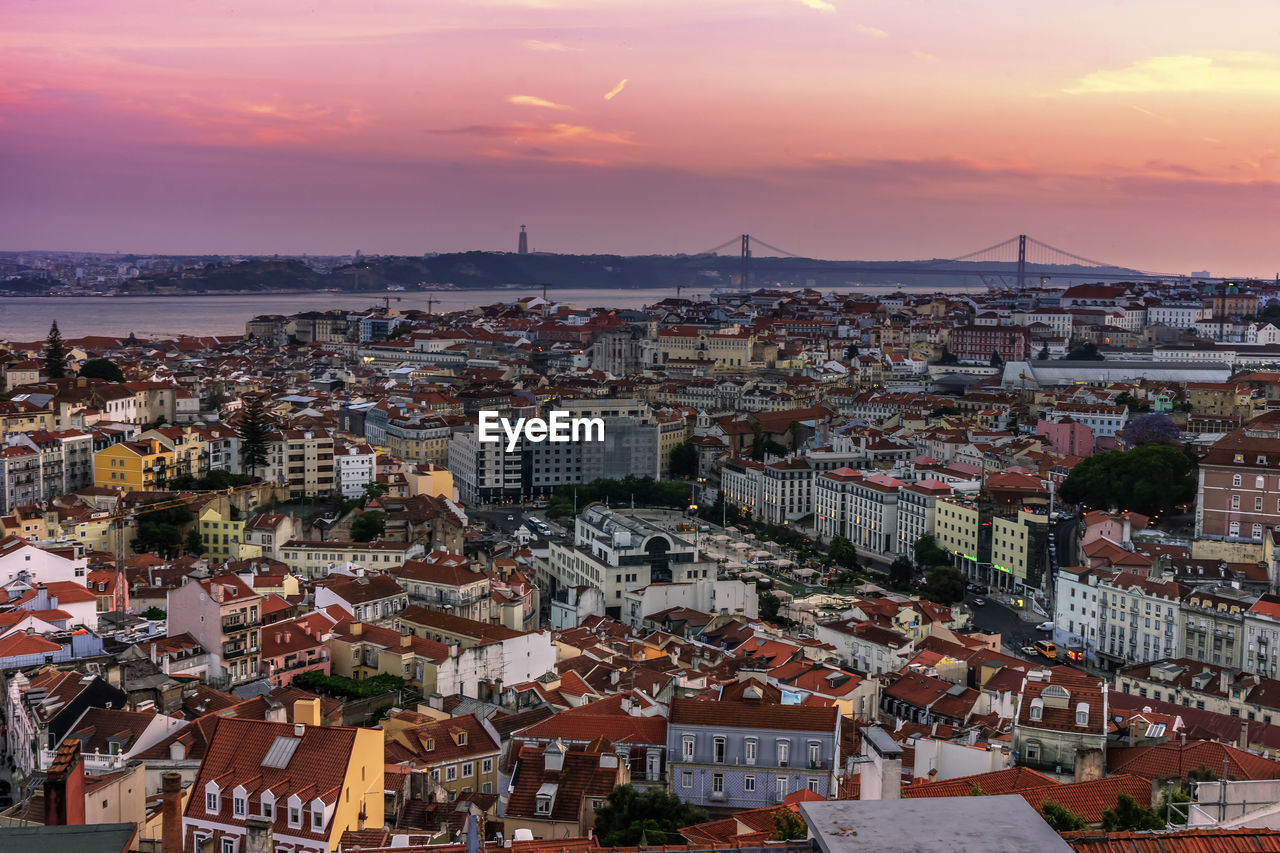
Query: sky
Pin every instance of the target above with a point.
(1138, 132)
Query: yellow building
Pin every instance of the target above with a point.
(133, 466)
(189, 448)
(429, 479)
(363, 651)
(724, 347)
(222, 535)
(21, 416)
(673, 430)
(956, 523)
(460, 753)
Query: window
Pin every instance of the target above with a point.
(812, 784)
(295, 816)
(468, 770)
(544, 805)
(486, 766)
(749, 750)
(462, 738)
(486, 788)
(451, 773)
(1233, 529)
(1033, 752)
(1037, 709)
(267, 809)
(815, 754)
(1235, 480)
(784, 753)
(749, 783)
(1235, 501)
(780, 787)
(686, 779)
(237, 806)
(1082, 714)
(211, 802)
(1257, 504)
(717, 783)
(317, 818)
(228, 845)
(686, 747)
(717, 750)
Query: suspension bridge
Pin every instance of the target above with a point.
(1022, 259)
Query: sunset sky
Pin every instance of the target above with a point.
(1143, 132)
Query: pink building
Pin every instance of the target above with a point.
(296, 646)
(1118, 528)
(1067, 436)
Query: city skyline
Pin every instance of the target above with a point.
(1141, 134)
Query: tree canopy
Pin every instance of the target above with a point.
(842, 552)
(368, 526)
(254, 429)
(928, 553)
(945, 585)
(55, 354)
(787, 826)
(1128, 816)
(901, 572)
(1155, 428)
(1087, 351)
(655, 814)
(684, 460)
(102, 368)
(1149, 479)
(1061, 818)
(160, 531)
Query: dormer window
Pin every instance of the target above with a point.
(317, 816)
(295, 813)
(1082, 714)
(211, 802)
(462, 738)
(1037, 709)
(238, 806)
(544, 805)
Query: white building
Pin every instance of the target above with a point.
(1102, 419)
(1139, 618)
(917, 504)
(706, 595)
(741, 482)
(786, 490)
(357, 467)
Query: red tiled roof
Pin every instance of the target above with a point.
(1174, 760)
(754, 714)
(1179, 841)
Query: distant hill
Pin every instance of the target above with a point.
(466, 270)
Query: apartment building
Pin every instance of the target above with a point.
(447, 582)
(314, 559)
(225, 616)
(1139, 618)
(22, 476)
(750, 753)
(1238, 491)
(367, 597)
(1103, 421)
(917, 512)
(1213, 625)
(1262, 637)
(460, 754)
(303, 460)
(356, 466)
(309, 783)
(786, 490)
(740, 484)
(222, 533)
(1075, 613)
(1060, 712)
(134, 466)
(359, 650)
(66, 459)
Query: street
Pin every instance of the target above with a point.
(996, 618)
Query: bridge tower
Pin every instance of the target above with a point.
(744, 276)
(1022, 261)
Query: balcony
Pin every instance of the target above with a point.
(716, 796)
(236, 623)
(230, 653)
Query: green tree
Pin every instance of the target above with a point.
(842, 552)
(928, 553)
(684, 460)
(1044, 353)
(975, 791)
(1087, 351)
(160, 531)
(945, 585)
(254, 430)
(768, 605)
(368, 526)
(55, 354)
(787, 826)
(153, 613)
(1060, 818)
(851, 352)
(655, 814)
(1128, 816)
(1150, 479)
(102, 368)
(996, 360)
(901, 572)
(195, 542)
(947, 356)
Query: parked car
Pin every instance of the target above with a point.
(1045, 626)
(1030, 651)
(979, 602)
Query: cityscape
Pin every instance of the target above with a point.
(326, 531)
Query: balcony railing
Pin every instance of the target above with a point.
(237, 623)
(236, 652)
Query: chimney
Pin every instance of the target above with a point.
(307, 711)
(357, 628)
(881, 776)
(1224, 682)
(171, 825)
(1126, 530)
(933, 775)
(1243, 742)
(406, 640)
(258, 836)
(64, 786)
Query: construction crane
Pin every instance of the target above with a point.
(386, 302)
(119, 519)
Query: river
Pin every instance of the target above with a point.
(27, 318)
